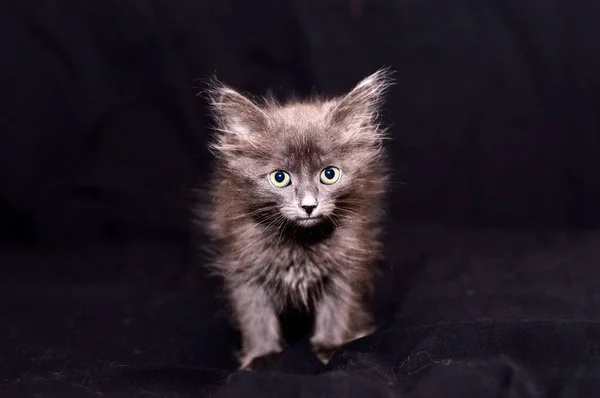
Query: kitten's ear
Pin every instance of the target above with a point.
(359, 108)
(235, 113)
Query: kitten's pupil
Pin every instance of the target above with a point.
(329, 173)
(279, 176)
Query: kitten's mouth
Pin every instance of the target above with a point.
(309, 221)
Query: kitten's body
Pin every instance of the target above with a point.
(308, 244)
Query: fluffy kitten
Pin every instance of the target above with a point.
(295, 213)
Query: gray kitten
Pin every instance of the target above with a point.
(295, 214)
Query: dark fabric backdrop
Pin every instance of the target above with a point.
(491, 286)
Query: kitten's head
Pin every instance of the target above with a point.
(302, 162)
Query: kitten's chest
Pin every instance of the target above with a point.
(299, 273)
(302, 270)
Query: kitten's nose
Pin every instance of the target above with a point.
(308, 208)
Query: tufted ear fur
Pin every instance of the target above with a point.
(235, 113)
(238, 118)
(359, 108)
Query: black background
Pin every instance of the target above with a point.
(491, 288)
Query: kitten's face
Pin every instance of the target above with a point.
(306, 177)
(302, 163)
(306, 196)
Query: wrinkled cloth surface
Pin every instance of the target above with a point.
(491, 283)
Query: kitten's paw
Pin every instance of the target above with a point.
(324, 350)
(324, 353)
(363, 333)
(253, 362)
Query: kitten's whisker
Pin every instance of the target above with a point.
(332, 219)
(276, 221)
(252, 225)
(283, 226)
(268, 219)
(354, 212)
(355, 201)
(344, 213)
(252, 213)
(268, 211)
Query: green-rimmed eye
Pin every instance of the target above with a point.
(280, 179)
(330, 175)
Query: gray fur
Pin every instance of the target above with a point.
(268, 253)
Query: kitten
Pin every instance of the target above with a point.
(295, 213)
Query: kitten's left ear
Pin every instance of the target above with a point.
(359, 108)
(235, 113)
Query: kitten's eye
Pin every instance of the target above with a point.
(330, 175)
(280, 179)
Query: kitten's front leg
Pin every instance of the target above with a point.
(258, 323)
(340, 318)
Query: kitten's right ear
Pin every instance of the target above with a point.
(235, 113)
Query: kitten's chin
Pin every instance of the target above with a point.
(308, 221)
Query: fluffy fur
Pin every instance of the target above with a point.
(270, 252)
